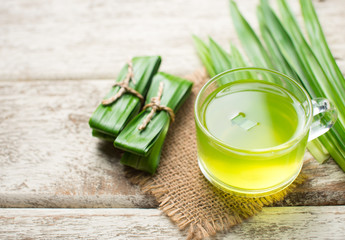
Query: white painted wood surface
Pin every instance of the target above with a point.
(78, 39)
(271, 223)
(47, 155)
(65, 39)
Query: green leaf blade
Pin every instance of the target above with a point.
(111, 119)
(205, 56)
(249, 40)
(310, 71)
(175, 92)
(219, 57)
(319, 44)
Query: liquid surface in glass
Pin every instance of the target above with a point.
(251, 115)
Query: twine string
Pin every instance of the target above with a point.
(124, 87)
(155, 106)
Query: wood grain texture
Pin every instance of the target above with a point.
(325, 185)
(85, 39)
(272, 223)
(48, 157)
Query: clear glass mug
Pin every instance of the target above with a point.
(248, 170)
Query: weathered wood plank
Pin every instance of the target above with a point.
(325, 185)
(63, 39)
(48, 157)
(272, 223)
(293, 223)
(84, 39)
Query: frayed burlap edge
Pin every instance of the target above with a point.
(179, 164)
(207, 227)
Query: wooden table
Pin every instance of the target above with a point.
(57, 60)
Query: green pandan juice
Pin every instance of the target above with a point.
(247, 146)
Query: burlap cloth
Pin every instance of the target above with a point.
(181, 190)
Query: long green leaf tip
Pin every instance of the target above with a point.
(319, 44)
(277, 57)
(288, 49)
(329, 90)
(250, 41)
(205, 55)
(144, 146)
(107, 121)
(219, 57)
(322, 52)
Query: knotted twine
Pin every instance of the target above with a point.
(124, 87)
(155, 105)
(181, 190)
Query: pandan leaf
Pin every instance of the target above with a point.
(219, 57)
(249, 40)
(175, 92)
(150, 163)
(320, 83)
(108, 120)
(205, 56)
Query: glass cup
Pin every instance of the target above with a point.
(252, 128)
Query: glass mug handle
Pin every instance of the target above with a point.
(325, 115)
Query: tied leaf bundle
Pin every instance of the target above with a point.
(143, 145)
(284, 47)
(123, 101)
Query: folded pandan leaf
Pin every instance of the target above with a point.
(150, 163)
(109, 119)
(143, 146)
